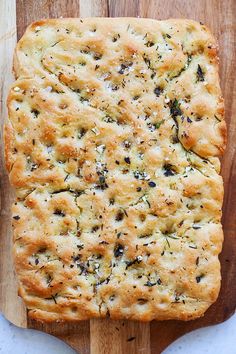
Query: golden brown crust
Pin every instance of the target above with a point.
(116, 126)
(9, 146)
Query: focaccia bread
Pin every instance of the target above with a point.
(113, 142)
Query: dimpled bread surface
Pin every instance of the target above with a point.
(112, 145)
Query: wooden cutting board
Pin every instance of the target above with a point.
(106, 336)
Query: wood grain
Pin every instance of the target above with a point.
(29, 11)
(94, 8)
(116, 337)
(123, 8)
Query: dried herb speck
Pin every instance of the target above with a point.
(158, 90)
(200, 74)
(127, 160)
(189, 120)
(16, 217)
(118, 250)
(198, 279)
(152, 184)
(59, 212)
(123, 67)
(120, 215)
(175, 108)
(158, 124)
(149, 284)
(168, 170)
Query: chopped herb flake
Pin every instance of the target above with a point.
(199, 278)
(152, 184)
(175, 108)
(158, 90)
(168, 170)
(119, 250)
(158, 124)
(16, 217)
(200, 74)
(127, 160)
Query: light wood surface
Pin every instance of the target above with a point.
(106, 336)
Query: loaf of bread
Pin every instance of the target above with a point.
(113, 141)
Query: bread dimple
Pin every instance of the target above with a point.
(115, 131)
